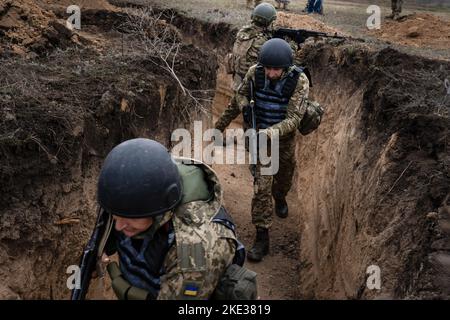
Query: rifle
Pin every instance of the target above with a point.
(91, 255)
(253, 146)
(300, 35)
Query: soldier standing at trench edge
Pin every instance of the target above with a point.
(280, 92)
(396, 9)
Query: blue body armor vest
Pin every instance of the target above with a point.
(272, 100)
(141, 263)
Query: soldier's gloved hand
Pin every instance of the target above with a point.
(269, 132)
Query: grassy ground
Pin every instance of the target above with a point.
(348, 16)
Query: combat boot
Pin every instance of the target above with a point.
(261, 246)
(281, 208)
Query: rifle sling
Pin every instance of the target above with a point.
(105, 236)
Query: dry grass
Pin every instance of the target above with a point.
(348, 16)
(160, 43)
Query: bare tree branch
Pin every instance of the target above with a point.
(161, 43)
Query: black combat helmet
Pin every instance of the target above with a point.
(139, 178)
(264, 14)
(276, 53)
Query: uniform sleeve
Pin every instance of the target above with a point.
(177, 284)
(296, 108)
(173, 280)
(197, 260)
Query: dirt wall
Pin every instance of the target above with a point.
(60, 115)
(371, 181)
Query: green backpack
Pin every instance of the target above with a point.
(312, 118)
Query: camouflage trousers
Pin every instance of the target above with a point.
(232, 111)
(249, 3)
(276, 186)
(396, 6)
(282, 2)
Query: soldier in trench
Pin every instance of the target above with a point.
(249, 40)
(280, 93)
(173, 237)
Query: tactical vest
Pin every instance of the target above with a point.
(272, 100)
(142, 263)
(141, 269)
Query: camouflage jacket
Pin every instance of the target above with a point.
(249, 40)
(203, 250)
(295, 110)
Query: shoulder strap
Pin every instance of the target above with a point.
(260, 77)
(225, 219)
(291, 82)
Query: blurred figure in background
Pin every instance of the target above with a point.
(253, 3)
(396, 9)
(284, 3)
(314, 6)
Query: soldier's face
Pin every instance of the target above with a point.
(132, 227)
(273, 73)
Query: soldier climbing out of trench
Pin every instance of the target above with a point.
(280, 92)
(249, 40)
(166, 221)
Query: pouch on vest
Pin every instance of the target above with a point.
(312, 118)
(237, 283)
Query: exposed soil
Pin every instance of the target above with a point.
(295, 21)
(371, 185)
(367, 189)
(83, 4)
(26, 29)
(417, 30)
(60, 115)
(379, 168)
